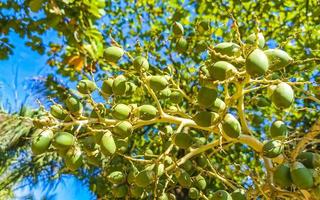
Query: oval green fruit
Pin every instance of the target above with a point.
(278, 129)
(176, 97)
(221, 70)
(183, 178)
(42, 141)
(282, 96)
(228, 49)
(116, 177)
(253, 38)
(177, 29)
(63, 140)
(165, 93)
(106, 87)
(238, 194)
(158, 83)
(73, 159)
(205, 118)
(301, 176)
(86, 86)
(121, 111)
(58, 112)
(257, 63)
(231, 126)
(74, 105)
(207, 96)
(119, 86)
(183, 140)
(107, 144)
(113, 54)
(136, 191)
(200, 182)
(147, 112)
(281, 175)
(133, 172)
(194, 193)
(218, 105)
(123, 129)
(119, 191)
(140, 63)
(181, 45)
(144, 178)
(122, 145)
(203, 26)
(221, 195)
(278, 59)
(309, 159)
(272, 148)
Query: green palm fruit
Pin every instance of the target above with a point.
(301, 176)
(278, 59)
(218, 105)
(106, 87)
(181, 45)
(73, 159)
(119, 86)
(113, 54)
(207, 96)
(238, 194)
(203, 26)
(176, 97)
(281, 175)
(140, 63)
(121, 111)
(253, 38)
(86, 86)
(200, 182)
(272, 148)
(119, 191)
(144, 178)
(257, 63)
(147, 112)
(89, 143)
(122, 145)
(228, 49)
(63, 140)
(160, 169)
(107, 144)
(58, 112)
(158, 83)
(221, 70)
(309, 159)
(231, 126)
(136, 191)
(130, 88)
(221, 195)
(205, 118)
(262, 102)
(42, 141)
(201, 46)
(202, 161)
(282, 96)
(187, 165)
(194, 193)
(165, 93)
(123, 129)
(116, 177)
(177, 29)
(183, 140)
(183, 178)
(278, 129)
(270, 90)
(133, 172)
(74, 105)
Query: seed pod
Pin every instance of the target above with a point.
(205, 118)
(200, 182)
(177, 29)
(218, 105)
(282, 175)
(119, 86)
(136, 191)
(119, 191)
(231, 126)
(106, 87)
(228, 49)
(158, 83)
(176, 97)
(133, 172)
(207, 96)
(63, 140)
(74, 105)
(58, 112)
(165, 93)
(113, 54)
(272, 148)
(282, 96)
(309, 159)
(42, 141)
(86, 86)
(73, 159)
(183, 178)
(221, 70)
(278, 59)
(123, 129)
(144, 178)
(221, 195)
(107, 144)
(147, 112)
(140, 63)
(116, 177)
(181, 45)
(187, 166)
(238, 194)
(121, 111)
(301, 176)
(194, 193)
(257, 63)
(183, 140)
(278, 129)
(252, 39)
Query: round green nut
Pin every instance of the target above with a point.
(119, 86)
(231, 126)
(207, 96)
(157, 83)
(202, 161)
(257, 63)
(278, 59)
(122, 145)
(119, 191)
(107, 144)
(42, 141)
(136, 191)
(123, 129)
(228, 49)
(238, 194)
(63, 140)
(133, 172)
(181, 45)
(147, 112)
(183, 178)
(116, 177)
(221, 195)
(187, 165)
(140, 63)
(281, 175)
(73, 159)
(177, 29)
(113, 54)
(278, 129)
(74, 105)
(144, 178)
(272, 148)
(301, 176)
(176, 97)
(86, 86)
(218, 105)
(183, 140)
(309, 159)
(194, 193)
(282, 96)
(106, 87)
(221, 70)
(121, 111)
(165, 93)
(58, 112)
(205, 118)
(200, 182)
(252, 39)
